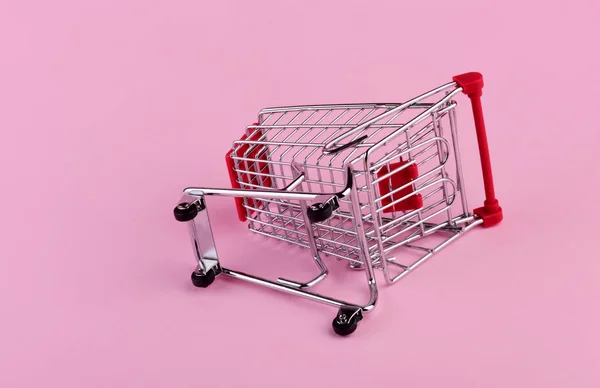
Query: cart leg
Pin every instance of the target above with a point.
(323, 271)
(193, 211)
(367, 262)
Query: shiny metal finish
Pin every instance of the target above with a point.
(348, 158)
(311, 239)
(295, 291)
(203, 242)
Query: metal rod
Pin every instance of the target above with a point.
(337, 106)
(296, 291)
(333, 143)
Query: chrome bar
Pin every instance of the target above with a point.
(323, 271)
(434, 250)
(459, 172)
(338, 106)
(295, 183)
(273, 194)
(299, 292)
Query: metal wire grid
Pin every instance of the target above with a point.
(290, 143)
(396, 233)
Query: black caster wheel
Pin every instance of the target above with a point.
(185, 212)
(203, 281)
(319, 212)
(346, 322)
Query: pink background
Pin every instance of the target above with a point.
(108, 109)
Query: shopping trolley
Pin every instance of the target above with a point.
(377, 185)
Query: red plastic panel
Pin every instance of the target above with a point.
(395, 181)
(258, 153)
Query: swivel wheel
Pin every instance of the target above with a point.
(319, 212)
(185, 212)
(203, 281)
(346, 321)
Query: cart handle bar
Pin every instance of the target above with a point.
(472, 85)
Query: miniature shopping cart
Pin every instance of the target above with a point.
(377, 185)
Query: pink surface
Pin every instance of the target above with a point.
(109, 108)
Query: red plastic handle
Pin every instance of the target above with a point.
(472, 85)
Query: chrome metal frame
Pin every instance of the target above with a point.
(335, 154)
